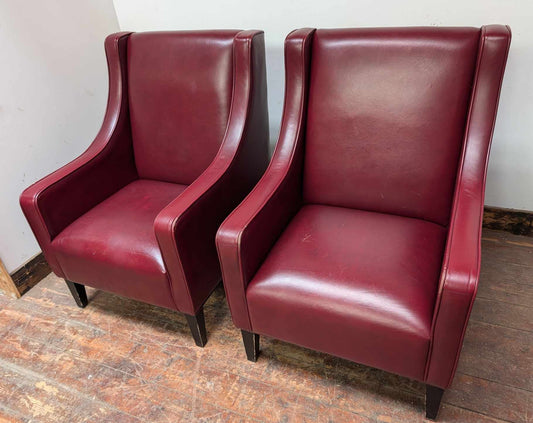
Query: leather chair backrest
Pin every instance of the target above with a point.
(180, 88)
(386, 118)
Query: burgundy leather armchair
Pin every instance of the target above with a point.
(362, 239)
(184, 139)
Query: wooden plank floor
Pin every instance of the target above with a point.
(123, 361)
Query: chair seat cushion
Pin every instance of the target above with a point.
(356, 284)
(113, 246)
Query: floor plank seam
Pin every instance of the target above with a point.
(499, 326)
(473, 319)
(502, 301)
(497, 419)
(495, 381)
(513, 263)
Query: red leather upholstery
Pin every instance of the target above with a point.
(186, 228)
(396, 103)
(462, 258)
(249, 232)
(184, 139)
(394, 126)
(55, 201)
(115, 242)
(180, 95)
(337, 276)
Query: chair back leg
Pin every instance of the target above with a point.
(433, 399)
(197, 326)
(78, 292)
(251, 345)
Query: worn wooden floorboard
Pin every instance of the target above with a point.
(120, 360)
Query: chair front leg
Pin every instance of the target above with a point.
(197, 326)
(78, 292)
(251, 345)
(433, 399)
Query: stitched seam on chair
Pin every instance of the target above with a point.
(228, 164)
(167, 272)
(478, 261)
(502, 70)
(173, 223)
(170, 225)
(282, 179)
(97, 153)
(446, 259)
(38, 212)
(240, 268)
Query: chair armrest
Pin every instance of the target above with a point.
(58, 199)
(186, 228)
(247, 235)
(460, 271)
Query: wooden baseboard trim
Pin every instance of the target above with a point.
(30, 273)
(518, 222)
(7, 286)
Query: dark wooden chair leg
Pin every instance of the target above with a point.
(433, 398)
(197, 326)
(251, 345)
(78, 292)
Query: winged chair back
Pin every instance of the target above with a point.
(180, 90)
(386, 123)
(362, 239)
(184, 140)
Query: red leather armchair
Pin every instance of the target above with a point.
(184, 139)
(362, 239)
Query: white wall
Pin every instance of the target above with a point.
(53, 91)
(510, 178)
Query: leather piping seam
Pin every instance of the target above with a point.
(227, 162)
(94, 155)
(446, 260)
(484, 38)
(171, 226)
(36, 196)
(480, 228)
(283, 176)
